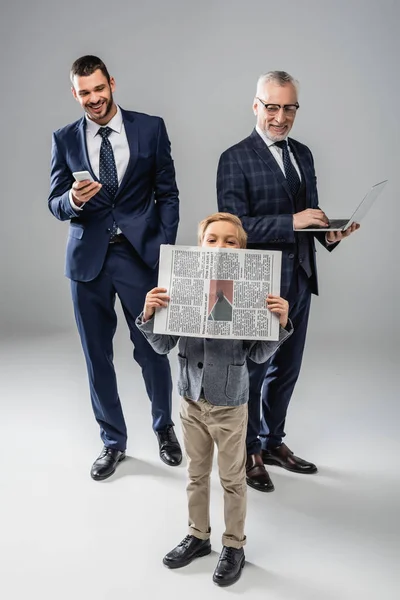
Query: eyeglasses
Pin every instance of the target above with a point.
(273, 109)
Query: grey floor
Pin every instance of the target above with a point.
(333, 536)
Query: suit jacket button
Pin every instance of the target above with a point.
(112, 205)
(200, 365)
(291, 255)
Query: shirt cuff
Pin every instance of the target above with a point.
(72, 203)
(140, 318)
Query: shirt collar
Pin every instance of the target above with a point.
(265, 138)
(115, 124)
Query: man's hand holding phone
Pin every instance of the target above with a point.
(84, 187)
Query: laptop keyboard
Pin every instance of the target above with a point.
(333, 223)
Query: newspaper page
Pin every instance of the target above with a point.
(218, 292)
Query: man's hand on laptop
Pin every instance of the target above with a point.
(308, 217)
(336, 236)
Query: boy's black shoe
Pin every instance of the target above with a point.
(229, 567)
(190, 548)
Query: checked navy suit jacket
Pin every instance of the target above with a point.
(145, 208)
(251, 185)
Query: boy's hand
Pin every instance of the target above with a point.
(156, 298)
(279, 306)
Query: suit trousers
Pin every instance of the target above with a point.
(273, 382)
(204, 424)
(126, 275)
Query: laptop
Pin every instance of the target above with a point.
(356, 217)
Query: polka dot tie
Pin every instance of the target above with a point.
(108, 171)
(292, 177)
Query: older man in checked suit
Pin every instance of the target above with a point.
(268, 181)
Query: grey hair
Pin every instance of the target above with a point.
(278, 77)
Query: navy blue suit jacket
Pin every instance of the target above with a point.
(145, 208)
(251, 185)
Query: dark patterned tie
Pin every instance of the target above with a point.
(292, 177)
(108, 171)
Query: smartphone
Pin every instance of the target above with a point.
(82, 176)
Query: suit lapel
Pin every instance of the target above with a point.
(82, 148)
(132, 134)
(262, 150)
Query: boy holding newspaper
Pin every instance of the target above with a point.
(213, 383)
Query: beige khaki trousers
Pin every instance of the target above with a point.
(204, 424)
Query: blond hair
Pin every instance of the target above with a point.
(223, 216)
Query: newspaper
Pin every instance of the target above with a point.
(218, 293)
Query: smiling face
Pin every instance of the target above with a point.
(276, 127)
(221, 234)
(95, 94)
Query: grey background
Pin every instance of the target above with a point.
(196, 64)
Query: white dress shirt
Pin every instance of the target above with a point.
(118, 141)
(277, 152)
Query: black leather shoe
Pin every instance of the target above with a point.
(229, 567)
(256, 474)
(190, 548)
(282, 456)
(170, 450)
(105, 465)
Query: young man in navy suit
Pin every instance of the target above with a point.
(268, 181)
(118, 219)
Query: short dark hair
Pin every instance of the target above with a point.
(87, 65)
